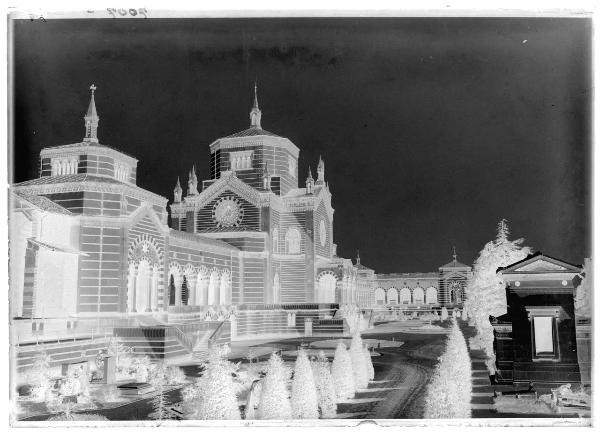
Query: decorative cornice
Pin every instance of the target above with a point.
(255, 141)
(101, 187)
(85, 148)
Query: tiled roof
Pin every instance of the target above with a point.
(81, 177)
(252, 132)
(43, 203)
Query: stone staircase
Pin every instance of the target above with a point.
(157, 342)
(482, 400)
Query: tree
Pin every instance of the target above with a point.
(325, 387)
(359, 367)
(304, 393)
(444, 314)
(583, 295)
(485, 291)
(161, 407)
(369, 364)
(342, 373)
(216, 398)
(450, 388)
(39, 377)
(274, 397)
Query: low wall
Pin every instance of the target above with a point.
(584, 350)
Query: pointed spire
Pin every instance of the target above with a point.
(357, 256)
(177, 192)
(255, 113)
(321, 171)
(91, 120)
(193, 182)
(310, 182)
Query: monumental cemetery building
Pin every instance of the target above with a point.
(248, 252)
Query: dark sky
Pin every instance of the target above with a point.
(432, 130)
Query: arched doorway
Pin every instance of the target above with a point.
(213, 288)
(225, 289)
(202, 287)
(326, 285)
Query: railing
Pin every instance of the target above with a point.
(216, 334)
(49, 338)
(183, 338)
(289, 307)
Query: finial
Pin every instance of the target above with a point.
(255, 113)
(91, 120)
(255, 94)
(454, 253)
(357, 256)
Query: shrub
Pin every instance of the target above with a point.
(359, 367)
(369, 364)
(215, 397)
(444, 314)
(342, 373)
(325, 387)
(304, 393)
(274, 397)
(449, 391)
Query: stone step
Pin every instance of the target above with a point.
(481, 406)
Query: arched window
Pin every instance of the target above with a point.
(275, 241)
(380, 296)
(392, 296)
(431, 295)
(292, 241)
(418, 296)
(405, 296)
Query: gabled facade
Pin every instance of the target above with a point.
(254, 203)
(535, 340)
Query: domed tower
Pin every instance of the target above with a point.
(247, 152)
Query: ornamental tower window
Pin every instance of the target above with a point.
(241, 160)
(64, 166)
(292, 241)
(122, 172)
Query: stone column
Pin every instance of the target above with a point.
(131, 298)
(178, 283)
